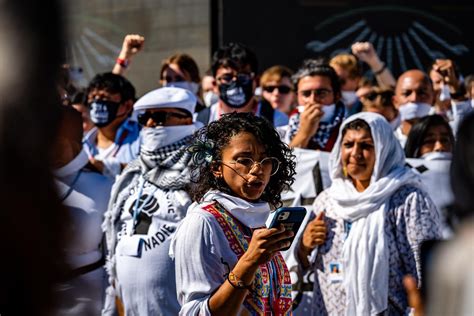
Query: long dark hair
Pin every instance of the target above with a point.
(220, 132)
(418, 133)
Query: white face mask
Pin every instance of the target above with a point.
(190, 86)
(437, 155)
(154, 138)
(349, 97)
(413, 110)
(210, 98)
(444, 93)
(328, 110)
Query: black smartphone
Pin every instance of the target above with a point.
(291, 218)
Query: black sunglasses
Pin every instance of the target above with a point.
(282, 89)
(159, 118)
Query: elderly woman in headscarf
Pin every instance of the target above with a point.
(376, 215)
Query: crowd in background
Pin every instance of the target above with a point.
(169, 192)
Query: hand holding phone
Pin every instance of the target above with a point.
(291, 218)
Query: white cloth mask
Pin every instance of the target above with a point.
(413, 110)
(444, 93)
(210, 98)
(190, 86)
(329, 111)
(437, 155)
(349, 97)
(160, 136)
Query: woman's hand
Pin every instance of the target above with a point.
(314, 234)
(265, 243)
(228, 299)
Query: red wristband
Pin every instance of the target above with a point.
(122, 62)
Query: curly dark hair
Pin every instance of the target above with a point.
(220, 132)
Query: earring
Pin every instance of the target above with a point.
(344, 171)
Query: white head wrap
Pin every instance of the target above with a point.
(365, 253)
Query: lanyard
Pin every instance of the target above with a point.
(136, 209)
(71, 187)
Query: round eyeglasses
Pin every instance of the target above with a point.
(245, 164)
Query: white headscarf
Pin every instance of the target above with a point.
(365, 252)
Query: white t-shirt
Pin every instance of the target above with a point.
(145, 279)
(86, 195)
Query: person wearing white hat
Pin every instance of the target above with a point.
(148, 201)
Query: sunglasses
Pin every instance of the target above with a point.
(321, 93)
(159, 118)
(281, 89)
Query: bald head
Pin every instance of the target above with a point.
(413, 86)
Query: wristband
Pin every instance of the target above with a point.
(236, 282)
(378, 72)
(122, 62)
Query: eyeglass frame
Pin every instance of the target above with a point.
(254, 163)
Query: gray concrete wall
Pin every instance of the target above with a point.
(97, 28)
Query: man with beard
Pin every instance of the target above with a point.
(235, 67)
(148, 201)
(114, 141)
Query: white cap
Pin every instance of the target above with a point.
(167, 97)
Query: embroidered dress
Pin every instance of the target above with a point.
(208, 244)
(267, 298)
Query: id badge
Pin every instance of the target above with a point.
(130, 246)
(336, 273)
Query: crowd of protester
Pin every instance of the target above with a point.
(169, 193)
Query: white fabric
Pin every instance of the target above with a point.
(121, 151)
(349, 97)
(437, 155)
(73, 166)
(190, 86)
(160, 136)
(167, 97)
(365, 253)
(402, 138)
(210, 98)
(145, 274)
(444, 93)
(395, 123)
(253, 215)
(328, 112)
(87, 202)
(200, 247)
(411, 110)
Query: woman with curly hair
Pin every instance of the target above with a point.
(227, 262)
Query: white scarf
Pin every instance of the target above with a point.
(73, 166)
(251, 214)
(365, 252)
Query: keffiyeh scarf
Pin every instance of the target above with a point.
(324, 130)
